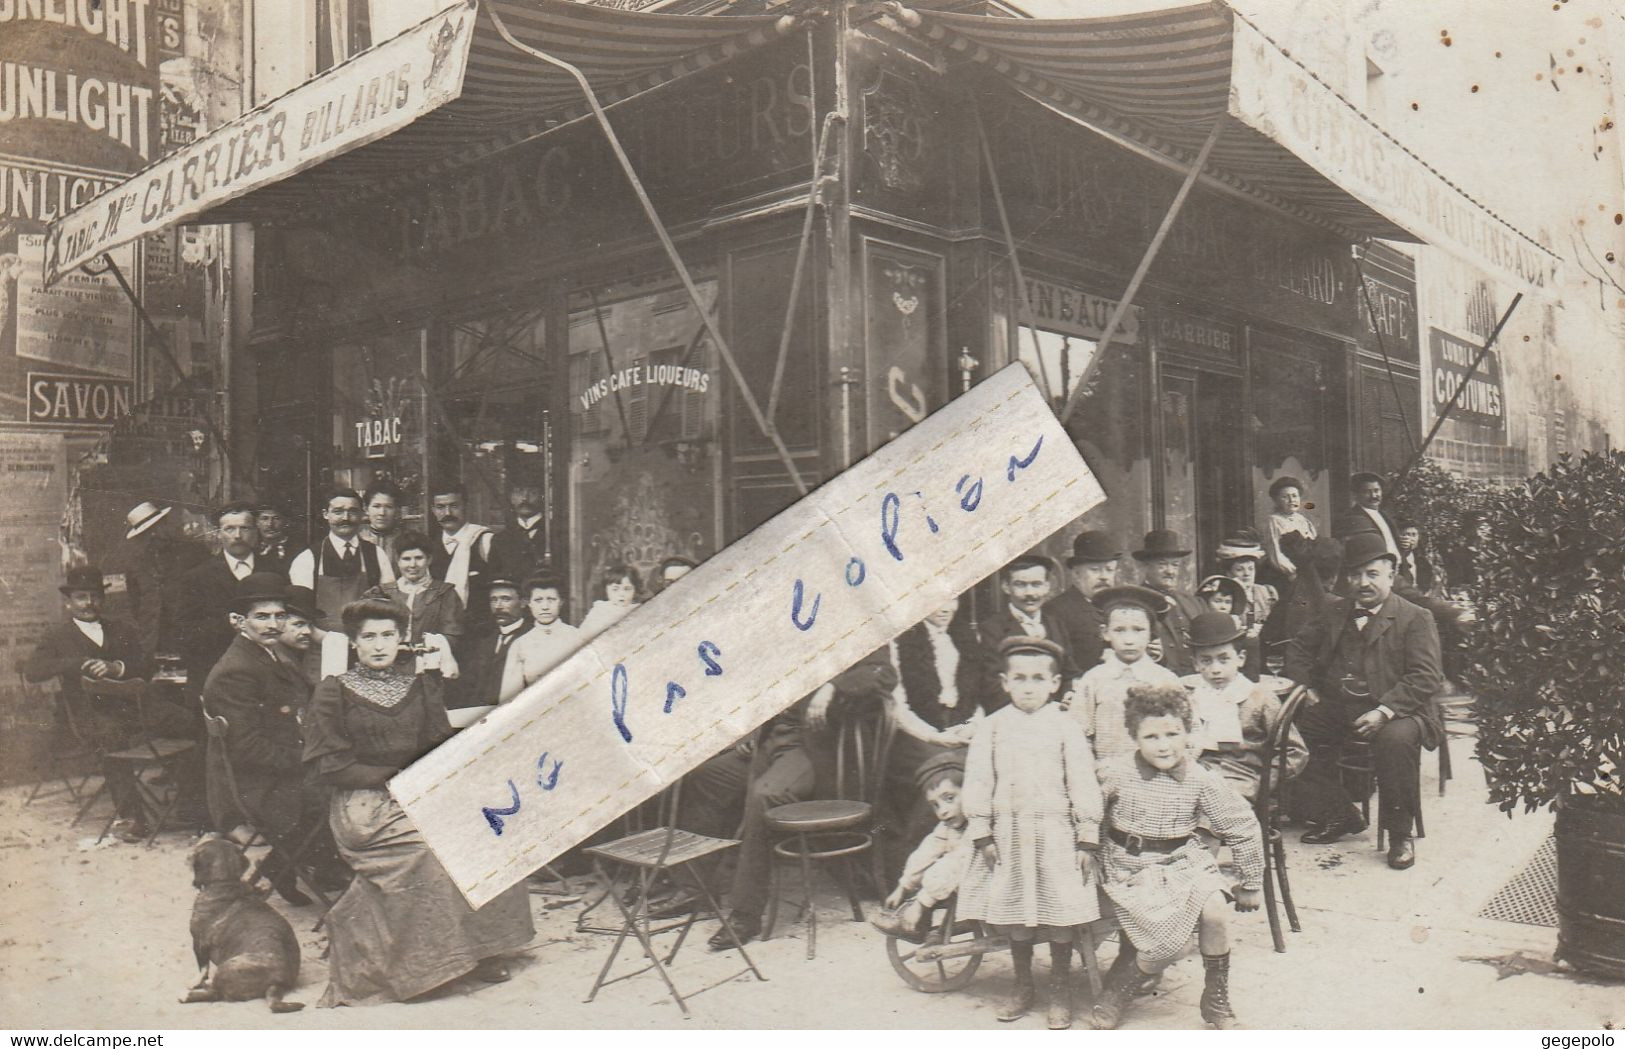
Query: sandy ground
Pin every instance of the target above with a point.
(96, 937)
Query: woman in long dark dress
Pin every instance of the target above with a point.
(402, 927)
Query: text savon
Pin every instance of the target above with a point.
(280, 136)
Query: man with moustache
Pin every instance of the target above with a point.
(276, 547)
(520, 550)
(1163, 554)
(1367, 515)
(1373, 659)
(1092, 568)
(201, 595)
(343, 566)
(461, 553)
(1026, 585)
(486, 649)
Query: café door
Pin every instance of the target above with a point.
(1204, 491)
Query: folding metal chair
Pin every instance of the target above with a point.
(637, 860)
(146, 753)
(291, 852)
(65, 751)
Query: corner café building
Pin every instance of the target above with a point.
(811, 228)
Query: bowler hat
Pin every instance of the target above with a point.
(84, 577)
(946, 758)
(1362, 548)
(143, 517)
(1161, 542)
(1214, 584)
(1285, 481)
(1137, 596)
(258, 586)
(1021, 644)
(1094, 545)
(302, 599)
(1214, 628)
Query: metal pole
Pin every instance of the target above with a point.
(1121, 309)
(1483, 351)
(813, 190)
(1025, 311)
(666, 243)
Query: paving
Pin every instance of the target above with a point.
(96, 937)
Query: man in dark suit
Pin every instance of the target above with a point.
(85, 654)
(485, 649)
(1373, 659)
(1026, 585)
(153, 555)
(1163, 556)
(520, 550)
(259, 691)
(1415, 568)
(1366, 515)
(1093, 567)
(201, 595)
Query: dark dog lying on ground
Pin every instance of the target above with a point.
(251, 947)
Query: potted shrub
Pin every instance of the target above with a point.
(1548, 667)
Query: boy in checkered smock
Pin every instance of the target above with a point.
(1162, 883)
(1032, 810)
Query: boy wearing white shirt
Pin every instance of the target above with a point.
(1102, 692)
(1232, 715)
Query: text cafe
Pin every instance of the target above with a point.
(495, 309)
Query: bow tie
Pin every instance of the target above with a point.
(1361, 615)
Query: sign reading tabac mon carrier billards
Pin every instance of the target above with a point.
(372, 95)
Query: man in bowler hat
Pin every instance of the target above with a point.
(1091, 568)
(1373, 659)
(1163, 555)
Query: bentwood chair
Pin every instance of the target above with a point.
(836, 831)
(291, 851)
(1356, 764)
(635, 862)
(1269, 805)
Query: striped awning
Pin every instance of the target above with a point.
(440, 95)
(1157, 81)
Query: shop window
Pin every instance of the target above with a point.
(343, 28)
(380, 418)
(1293, 419)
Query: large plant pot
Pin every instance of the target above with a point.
(1591, 885)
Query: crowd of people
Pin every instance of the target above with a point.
(1087, 733)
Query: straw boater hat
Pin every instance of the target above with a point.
(1240, 545)
(1216, 583)
(258, 586)
(1362, 548)
(143, 517)
(84, 577)
(1093, 546)
(1137, 596)
(1161, 542)
(1214, 628)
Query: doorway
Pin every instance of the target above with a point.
(1205, 493)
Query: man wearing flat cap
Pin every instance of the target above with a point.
(1373, 659)
(259, 691)
(1091, 568)
(85, 654)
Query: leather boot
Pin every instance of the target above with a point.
(1115, 997)
(1060, 988)
(1021, 999)
(1215, 1004)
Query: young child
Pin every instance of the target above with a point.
(1130, 613)
(1287, 520)
(1162, 883)
(1239, 556)
(1032, 810)
(1225, 595)
(1232, 717)
(618, 584)
(934, 869)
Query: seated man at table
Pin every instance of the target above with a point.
(83, 655)
(729, 795)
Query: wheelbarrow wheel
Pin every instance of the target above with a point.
(930, 977)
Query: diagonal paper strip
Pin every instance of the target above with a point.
(871, 553)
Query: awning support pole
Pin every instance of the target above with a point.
(1121, 309)
(161, 342)
(1382, 345)
(762, 422)
(814, 188)
(1023, 305)
(1461, 387)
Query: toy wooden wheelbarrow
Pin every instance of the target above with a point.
(953, 950)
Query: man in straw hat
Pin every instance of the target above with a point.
(1163, 556)
(1373, 659)
(86, 653)
(154, 554)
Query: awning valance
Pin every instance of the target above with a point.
(442, 94)
(1157, 81)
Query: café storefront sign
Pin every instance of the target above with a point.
(377, 92)
(1277, 97)
(1068, 311)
